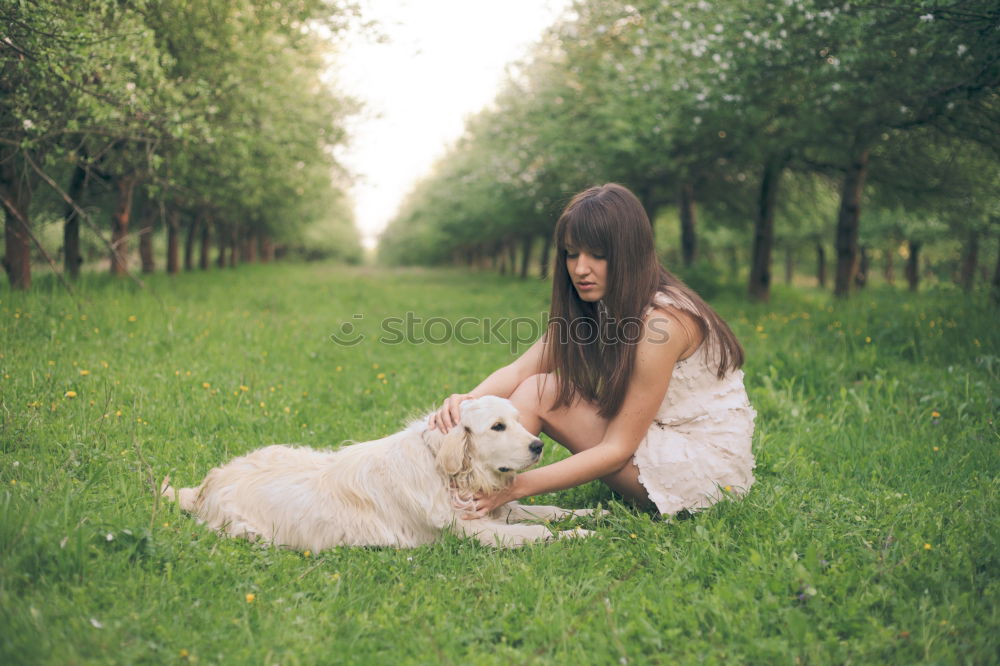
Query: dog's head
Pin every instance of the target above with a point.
(488, 445)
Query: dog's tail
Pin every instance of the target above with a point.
(185, 497)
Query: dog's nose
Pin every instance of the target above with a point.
(536, 447)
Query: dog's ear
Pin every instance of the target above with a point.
(451, 453)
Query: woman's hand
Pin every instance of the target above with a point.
(449, 415)
(482, 505)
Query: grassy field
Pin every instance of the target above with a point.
(871, 536)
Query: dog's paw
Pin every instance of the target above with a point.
(576, 533)
(166, 490)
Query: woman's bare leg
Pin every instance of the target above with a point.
(577, 427)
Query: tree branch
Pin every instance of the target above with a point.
(83, 216)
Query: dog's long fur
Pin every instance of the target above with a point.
(397, 491)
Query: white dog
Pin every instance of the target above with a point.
(401, 490)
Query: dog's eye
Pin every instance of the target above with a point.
(498, 426)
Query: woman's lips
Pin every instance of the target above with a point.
(585, 285)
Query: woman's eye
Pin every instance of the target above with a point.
(572, 255)
(498, 427)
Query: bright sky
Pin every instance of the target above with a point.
(443, 60)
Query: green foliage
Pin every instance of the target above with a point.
(657, 96)
(870, 536)
(216, 107)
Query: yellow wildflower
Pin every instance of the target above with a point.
(380, 375)
(133, 318)
(250, 597)
(70, 394)
(935, 415)
(244, 388)
(84, 373)
(206, 385)
(927, 546)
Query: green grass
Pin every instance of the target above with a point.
(871, 536)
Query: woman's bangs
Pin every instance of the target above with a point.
(585, 232)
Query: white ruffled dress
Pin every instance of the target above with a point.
(698, 449)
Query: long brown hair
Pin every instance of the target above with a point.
(591, 346)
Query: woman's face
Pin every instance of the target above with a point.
(589, 272)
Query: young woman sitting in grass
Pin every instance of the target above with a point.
(636, 375)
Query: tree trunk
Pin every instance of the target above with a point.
(689, 239)
(543, 262)
(970, 257)
(512, 256)
(526, 244)
(220, 239)
(235, 246)
(821, 265)
(913, 265)
(206, 243)
(996, 278)
(15, 194)
(848, 223)
(733, 253)
(249, 247)
(266, 250)
(194, 227)
(645, 196)
(763, 237)
(146, 240)
(119, 224)
(890, 268)
(71, 224)
(861, 277)
(789, 264)
(173, 233)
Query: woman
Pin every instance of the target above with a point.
(636, 375)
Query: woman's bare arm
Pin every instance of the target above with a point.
(501, 383)
(654, 362)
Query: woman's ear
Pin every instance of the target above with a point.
(451, 453)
